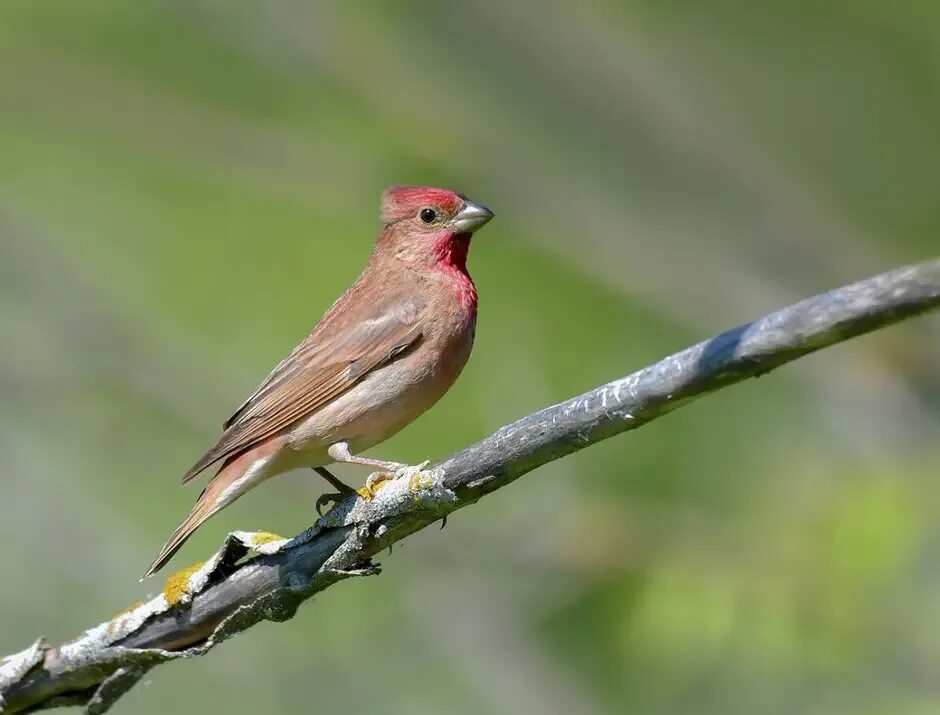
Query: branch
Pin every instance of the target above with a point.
(204, 605)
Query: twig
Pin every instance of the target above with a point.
(202, 606)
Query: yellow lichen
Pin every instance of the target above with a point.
(420, 481)
(177, 585)
(379, 479)
(264, 537)
(116, 619)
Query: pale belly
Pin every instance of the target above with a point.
(380, 405)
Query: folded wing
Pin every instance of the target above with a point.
(354, 338)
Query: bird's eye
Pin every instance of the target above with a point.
(428, 215)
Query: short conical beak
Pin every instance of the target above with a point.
(471, 217)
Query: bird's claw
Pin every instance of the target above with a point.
(368, 490)
(376, 479)
(329, 500)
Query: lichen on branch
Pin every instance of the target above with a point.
(228, 594)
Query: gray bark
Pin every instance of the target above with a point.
(199, 610)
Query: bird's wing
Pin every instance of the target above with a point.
(341, 350)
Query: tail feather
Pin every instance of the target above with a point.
(200, 512)
(237, 476)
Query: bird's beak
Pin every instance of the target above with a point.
(471, 217)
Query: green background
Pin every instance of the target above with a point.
(186, 186)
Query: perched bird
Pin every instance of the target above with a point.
(387, 350)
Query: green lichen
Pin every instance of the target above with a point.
(177, 586)
(264, 537)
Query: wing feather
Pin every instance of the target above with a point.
(340, 351)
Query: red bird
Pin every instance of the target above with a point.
(387, 350)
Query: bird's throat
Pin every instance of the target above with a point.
(452, 259)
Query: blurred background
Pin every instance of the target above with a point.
(186, 186)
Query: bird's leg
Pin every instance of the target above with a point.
(387, 470)
(343, 490)
(338, 484)
(340, 453)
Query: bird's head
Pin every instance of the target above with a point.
(427, 226)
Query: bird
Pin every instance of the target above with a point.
(386, 351)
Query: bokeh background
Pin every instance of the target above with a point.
(186, 186)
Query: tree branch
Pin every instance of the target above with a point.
(202, 606)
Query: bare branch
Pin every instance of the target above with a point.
(202, 606)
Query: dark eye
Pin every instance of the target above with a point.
(428, 215)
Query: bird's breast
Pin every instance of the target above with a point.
(391, 397)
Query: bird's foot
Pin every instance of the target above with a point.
(377, 479)
(343, 491)
(326, 502)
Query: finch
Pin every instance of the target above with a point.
(385, 352)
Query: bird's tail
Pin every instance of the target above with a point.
(237, 476)
(200, 512)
